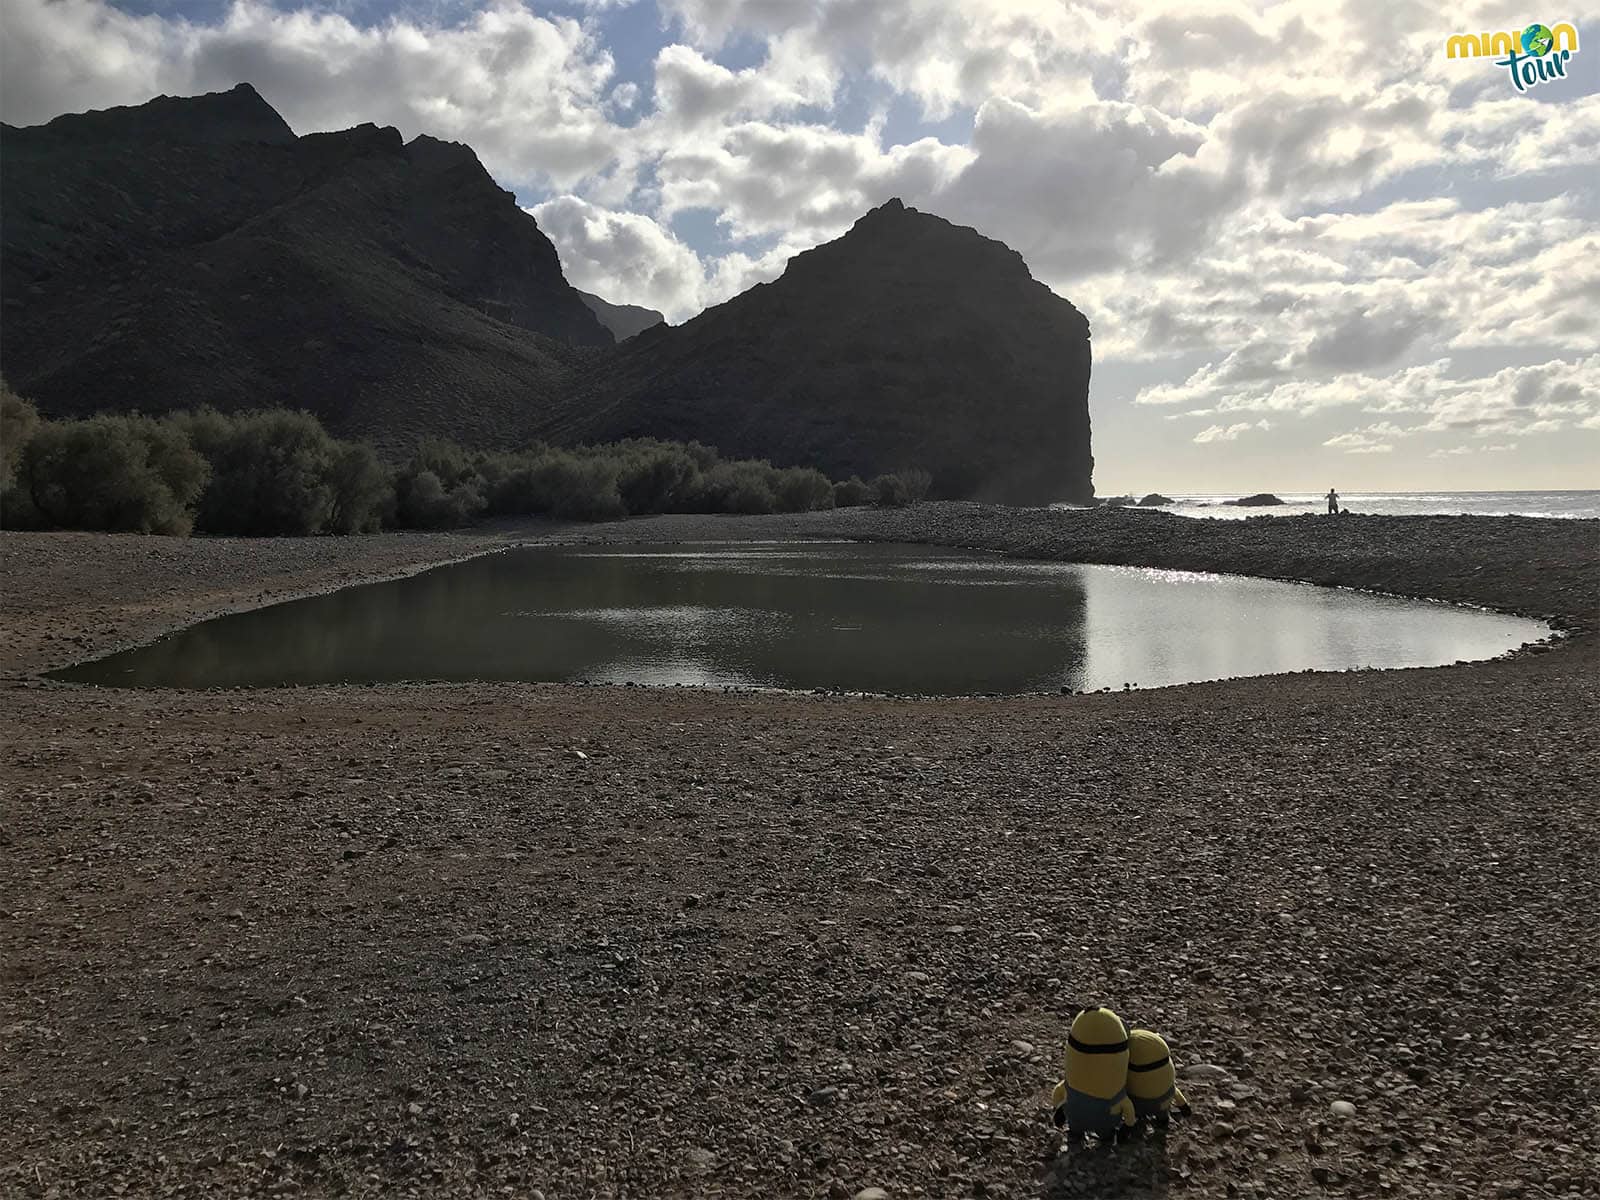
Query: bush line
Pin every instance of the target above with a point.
(279, 473)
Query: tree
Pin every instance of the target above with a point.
(18, 420)
(271, 472)
(123, 474)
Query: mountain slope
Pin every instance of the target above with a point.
(195, 251)
(623, 320)
(908, 342)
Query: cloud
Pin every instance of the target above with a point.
(804, 182)
(527, 92)
(1221, 433)
(629, 257)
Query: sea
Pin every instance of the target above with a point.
(1562, 504)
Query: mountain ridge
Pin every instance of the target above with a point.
(196, 251)
(884, 349)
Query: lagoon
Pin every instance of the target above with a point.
(858, 617)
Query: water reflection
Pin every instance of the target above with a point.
(871, 618)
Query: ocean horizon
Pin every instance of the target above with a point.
(1566, 504)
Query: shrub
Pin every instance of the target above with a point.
(737, 487)
(655, 478)
(852, 492)
(123, 474)
(803, 489)
(902, 487)
(271, 472)
(361, 488)
(584, 489)
(421, 501)
(448, 461)
(18, 420)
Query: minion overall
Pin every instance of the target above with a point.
(1093, 1098)
(1152, 1081)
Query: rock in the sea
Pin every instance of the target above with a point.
(1118, 502)
(1154, 500)
(1258, 500)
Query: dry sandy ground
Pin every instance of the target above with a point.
(485, 941)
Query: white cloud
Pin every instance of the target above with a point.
(527, 92)
(630, 258)
(1222, 433)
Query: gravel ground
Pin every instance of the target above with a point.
(509, 940)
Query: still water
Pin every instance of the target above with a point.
(882, 618)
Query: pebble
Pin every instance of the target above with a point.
(871, 1193)
(1342, 1108)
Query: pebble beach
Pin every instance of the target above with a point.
(564, 941)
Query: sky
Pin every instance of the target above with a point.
(1314, 251)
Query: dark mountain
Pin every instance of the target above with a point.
(195, 251)
(908, 342)
(624, 320)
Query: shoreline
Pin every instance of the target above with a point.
(379, 558)
(450, 939)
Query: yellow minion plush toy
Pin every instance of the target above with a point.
(1093, 1098)
(1152, 1081)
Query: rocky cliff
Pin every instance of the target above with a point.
(908, 342)
(195, 251)
(623, 320)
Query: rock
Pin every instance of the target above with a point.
(1258, 500)
(840, 362)
(193, 167)
(701, 1157)
(1022, 1047)
(1205, 1070)
(623, 320)
(871, 1193)
(1155, 500)
(823, 1096)
(1342, 1108)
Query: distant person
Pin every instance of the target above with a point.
(1333, 502)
